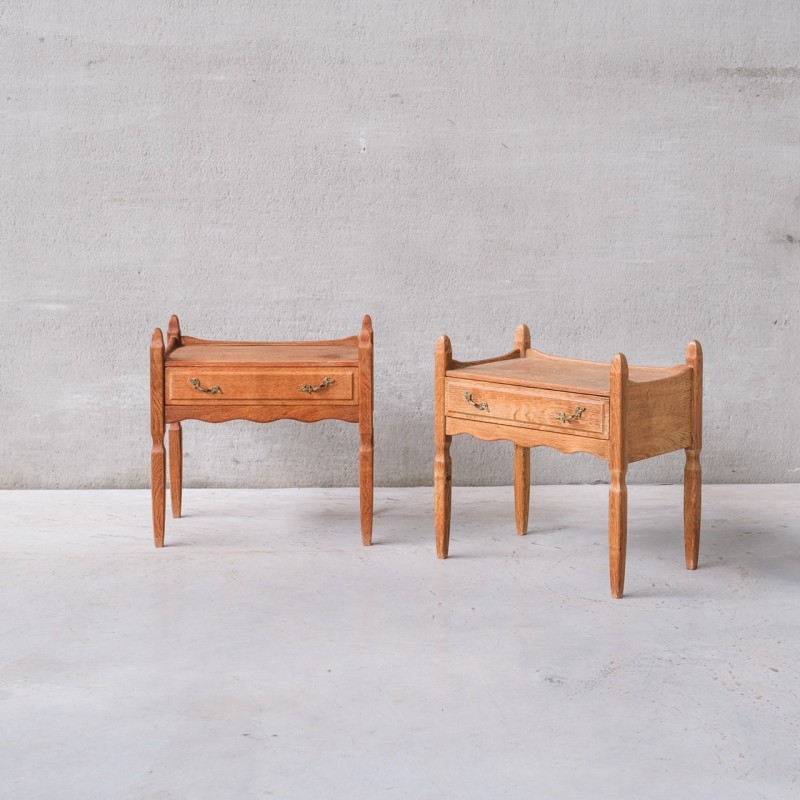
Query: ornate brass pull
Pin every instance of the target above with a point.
(200, 388)
(326, 382)
(479, 406)
(575, 415)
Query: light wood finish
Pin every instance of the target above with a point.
(527, 437)
(618, 463)
(366, 451)
(246, 384)
(692, 474)
(629, 413)
(522, 455)
(174, 338)
(443, 465)
(158, 456)
(543, 371)
(176, 467)
(515, 405)
(522, 487)
(261, 382)
(205, 353)
(660, 419)
(263, 412)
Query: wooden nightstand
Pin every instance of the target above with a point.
(257, 381)
(618, 413)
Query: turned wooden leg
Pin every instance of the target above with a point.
(618, 461)
(692, 489)
(366, 484)
(442, 493)
(617, 530)
(693, 474)
(365, 426)
(522, 455)
(159, 488)
(522, 487)
(158, 457)
(442, 465)
(176, 467)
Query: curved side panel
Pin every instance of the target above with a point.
(527, 437)
(261, 413)
(196, 340)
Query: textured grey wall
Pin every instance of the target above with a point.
(620, 175)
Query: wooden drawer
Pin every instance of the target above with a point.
(242, 384)
(585, 415)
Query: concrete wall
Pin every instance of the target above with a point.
(619, 175)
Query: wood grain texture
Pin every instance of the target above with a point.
(513, 354)
(659, 416)
(176, 467)
(618, 462)
(522, 340)
(365, 424)
(543, 371)
(527, 437)
(260, 382)
(158, 455)
(248, 384)
(264, 412)
(195, 353)
(346, 341)
(522, 487)
(173, 335)
(522, 455)
(693, 474)
(443, 466)
(631, 413)
(515, 405)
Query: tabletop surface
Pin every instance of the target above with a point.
(543, 371)
(265, 354)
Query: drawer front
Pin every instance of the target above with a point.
(192, 385)
(579, 414)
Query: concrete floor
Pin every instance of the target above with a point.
(265, 653)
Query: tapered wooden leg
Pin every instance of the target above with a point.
(617, 530)
(442, 465)
(159, 488)
(618, 462)
(442, 493)
(365, 426)
(366, 483)
(158, 456)
(522, 486)
(693, 474)
(176, 467)
(692, 489)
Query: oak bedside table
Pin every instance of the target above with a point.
(619, 413)
(258, 381)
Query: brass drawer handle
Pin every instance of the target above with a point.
(308, 388)
(479, 406)
(200, 388)
(575, 415)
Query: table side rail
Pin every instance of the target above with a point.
(527, 436)
(261, 412)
